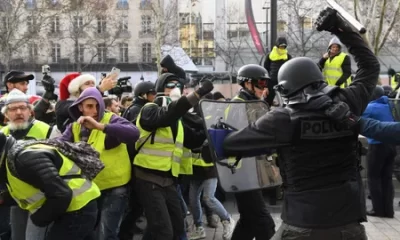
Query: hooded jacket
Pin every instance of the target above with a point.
(118, 131)
(379, 110)
(346, 65)
(274, 66)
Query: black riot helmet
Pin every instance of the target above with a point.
(296, 74)
(387, 89)
(377, 93)
(252, 73)
(144, 88)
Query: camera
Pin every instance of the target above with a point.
(123, 86)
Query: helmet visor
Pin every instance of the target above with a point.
(260, 84)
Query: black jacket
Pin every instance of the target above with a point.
(276, 130)
(132, 112)
(62, 114)
(346, 68)
(40, 168)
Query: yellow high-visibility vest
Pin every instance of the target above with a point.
(164, 154)
(39, 130)
(333, 70)
(30, 198)
(117, 171)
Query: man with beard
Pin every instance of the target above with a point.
(22, 126)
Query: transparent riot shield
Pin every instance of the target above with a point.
(245, 174)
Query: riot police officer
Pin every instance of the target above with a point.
(324, 196)
(255, 221)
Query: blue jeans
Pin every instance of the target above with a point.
(208, 187)
(22, 227)
(112, 205)
(184, 211)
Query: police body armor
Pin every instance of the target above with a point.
(238, 174)
(320, 171)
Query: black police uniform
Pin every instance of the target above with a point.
(255, 220)
(324, 197)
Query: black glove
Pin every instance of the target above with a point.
(50, 96)
(206, 87)
(48, 83)
(329, 20)
(340, 112)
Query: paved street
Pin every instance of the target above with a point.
(377, 228)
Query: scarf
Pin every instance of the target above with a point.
(81, 153)
(278, 54)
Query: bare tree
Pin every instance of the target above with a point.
(379, 18)
(21, 25)
(93, 29)
(298, 16)
(233, 43)
(166, 24)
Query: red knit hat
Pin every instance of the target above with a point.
(64, 93)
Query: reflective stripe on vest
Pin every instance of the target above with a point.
(198, 161)
(117, 171)
(38, 131)
(186, 167)
(163, 154)
(333, 70)
(30, 198)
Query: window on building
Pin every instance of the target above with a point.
(101, 24)
(146, 52)
(101, 53)
(124, 23)
(55, 24)
(33, 50)
(55, 52)
(122, 4)
(30, 4)
(31, 23)
(146, 24)
(307, 22)
(81, 53)
(123, 52)
(77, 22)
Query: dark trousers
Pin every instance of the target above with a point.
(353, 231)
(380, 160)
(255, 220)
(162, 209)
(135, 211)
(271, 95)
(5, 229)
(75, 225)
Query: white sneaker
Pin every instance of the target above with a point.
(229, 226)
(197, 233)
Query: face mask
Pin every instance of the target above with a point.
(175, 94)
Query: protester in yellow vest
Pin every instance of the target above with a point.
(21, 124)
(108, 133)
(160, 149)
(273, 62)
(54, 187)
(336, 65)
(394, 79)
